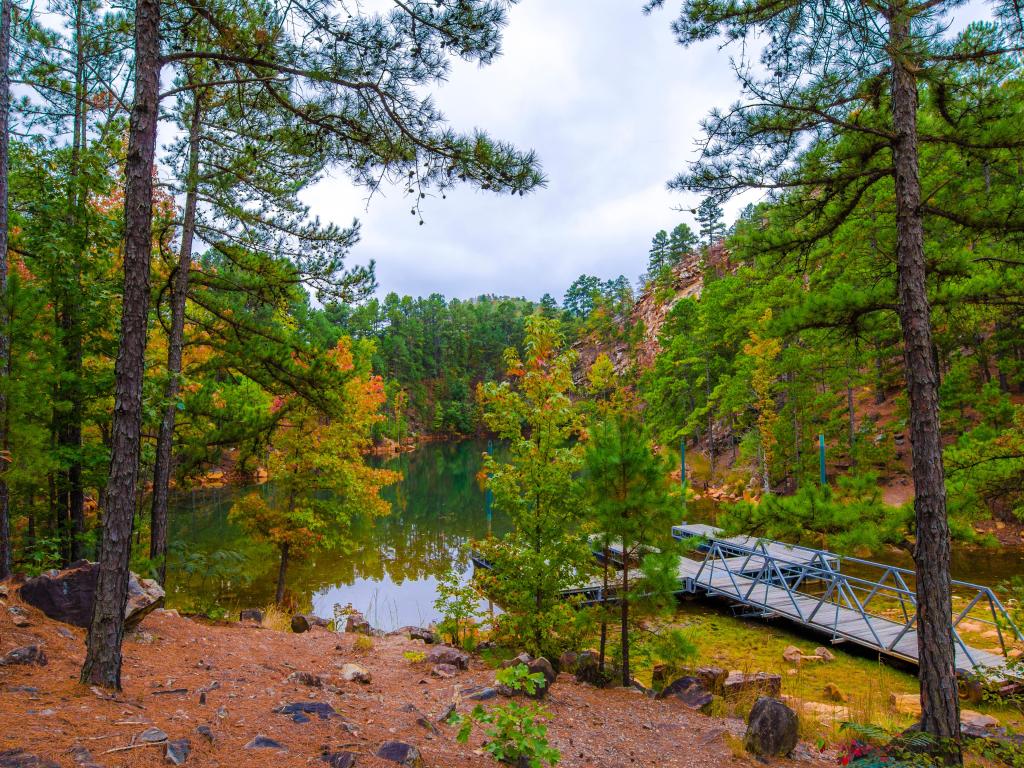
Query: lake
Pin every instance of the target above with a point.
(389, 570)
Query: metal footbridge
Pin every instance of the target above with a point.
(845, 599)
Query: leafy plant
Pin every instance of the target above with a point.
(458, 605)
(415, 657)
(363, 644)
(515, 732)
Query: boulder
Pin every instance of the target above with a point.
(357, 623)
(19, 758)
(27, 654)
(484, 694)
(970, 719)
(540, 666)
(251, 614)
(771, 729)
(792, 654)
(567, 662)
(444, 671)
(321, 709)
(68, 595)
(824, 653)
(764, 684)
(588, 670)
(399, 752)
(340, 759)
(712, 677)
(303, 622)
(445, 654)
(305, 678)
(832, 692)
(690, 691)
(177, 751)
(428, 636)
(353, 673)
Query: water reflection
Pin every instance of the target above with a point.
(390, 568)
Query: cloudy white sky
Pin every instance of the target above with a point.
(611, 104)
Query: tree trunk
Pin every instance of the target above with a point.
(175, 342)
(940, 706)
(281, 573)
(624, 606)
(604, 614)
(852, 423)
(6, 549)
(103, 652)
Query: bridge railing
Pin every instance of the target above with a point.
(884, 589)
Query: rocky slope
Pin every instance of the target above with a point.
(244, 695)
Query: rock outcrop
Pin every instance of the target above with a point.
(68, 595)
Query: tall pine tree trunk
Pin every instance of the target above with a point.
(624, 606)
(604, 612)
(6, 549)
(940, 715)
(175, 343)
(103, 652)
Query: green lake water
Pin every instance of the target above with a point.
(391, 567)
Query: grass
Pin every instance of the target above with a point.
(275, 618)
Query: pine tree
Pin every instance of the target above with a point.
(856, 72)
(709, 216)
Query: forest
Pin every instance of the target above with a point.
(838, 364)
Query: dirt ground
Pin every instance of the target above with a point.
(171, 660)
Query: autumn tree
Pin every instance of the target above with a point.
(850, 79)
(319, 477)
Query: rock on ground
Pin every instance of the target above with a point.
(27, 654)
(771, 729)
(68, 595)
(690, 691)
(445, 654)
(763, 683)
(399, 752)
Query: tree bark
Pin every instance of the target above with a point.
(624, 605)
(940, 706)
(103, 649)
(282, 572)
(604, 613)
(6, 548)
(175, 343)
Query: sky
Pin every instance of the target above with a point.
(612, 105)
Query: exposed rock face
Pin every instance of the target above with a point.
(399, 752)
(68, 595)
(690, 691)
(445, 654)
(737, 683)
(771, 729)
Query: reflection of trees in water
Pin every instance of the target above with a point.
(435, 509)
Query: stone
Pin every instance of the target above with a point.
(972, 690)
(764, 684)
(83, 757)
(484, 694)
(357, 623)
(832, 692)
(523, 658)
(567, 662)
(971, 719)
(825, 654)
(177, 751)
(265, 742)
(771, 729)
(206, 732)
(399, 752)
(152, 735)
(321, 709)
(428, 636)
(303, 622)
(251, 614)
(340, 759)
(445, 654)
(540, 666)
(353, 673)
(905, 703)
(26, 654)
(588, 670)
(792, 654)
(826, 714)
(19, 758)
(712, 677)
(444, 671)
(690, 691)
(305, 678)
(68, 595)
(19, 616)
